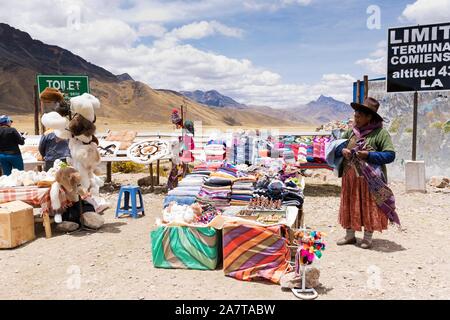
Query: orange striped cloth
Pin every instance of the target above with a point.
(255, 252)
(31, 195)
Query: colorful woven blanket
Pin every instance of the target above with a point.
(254, 252)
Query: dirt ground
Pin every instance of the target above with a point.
(115, 262)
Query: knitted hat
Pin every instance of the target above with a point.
(4, 119)
(189, 126)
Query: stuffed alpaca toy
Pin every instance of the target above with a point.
(85, 158)
(67, 189)
(53, 99)
(80, 131)
(53, 120)
(81, 128)
(69, 179)
(85, 105)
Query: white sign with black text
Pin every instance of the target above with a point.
(419, 58)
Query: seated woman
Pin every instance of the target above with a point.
(53, 148)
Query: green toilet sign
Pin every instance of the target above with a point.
(70, 86)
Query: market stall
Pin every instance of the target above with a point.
(238, 215)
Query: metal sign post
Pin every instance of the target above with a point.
(414, 138)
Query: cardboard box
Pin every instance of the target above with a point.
(16, 224)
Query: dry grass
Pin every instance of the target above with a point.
(25, 123)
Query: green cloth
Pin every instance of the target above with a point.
(185, 248)
(379, 140)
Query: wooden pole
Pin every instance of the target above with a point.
(36, 110)
(366, 87)
(108, 172)
(157, 173)
(358, 91)
(152, 181)
(414, 138)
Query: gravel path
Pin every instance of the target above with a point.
(115, 262)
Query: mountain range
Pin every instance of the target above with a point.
(22, 58)
(212, 98)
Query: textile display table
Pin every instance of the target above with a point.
(251, 250)
(34, 196)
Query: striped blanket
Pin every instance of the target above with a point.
(254, 252)
(185, 248)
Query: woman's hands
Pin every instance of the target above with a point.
(362, 155)
(347, 153)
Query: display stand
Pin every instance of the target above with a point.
(303, 292)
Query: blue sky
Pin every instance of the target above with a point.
(277, 53)
(301, 43)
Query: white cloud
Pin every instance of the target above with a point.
(376, 64)
(151, 30)
(426, 11)
(300, 2)
(202, 29)
(271, 5)
(107, 36)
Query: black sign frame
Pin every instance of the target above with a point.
(420, 75)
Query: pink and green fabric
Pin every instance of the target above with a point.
(185, 248)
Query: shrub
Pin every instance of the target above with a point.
(408, 130)
(446, 127)
(231, 121)
(395, 125)
(437, 125)
(127, 167)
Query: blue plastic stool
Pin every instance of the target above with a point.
(133, 192)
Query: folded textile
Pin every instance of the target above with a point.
(190, 184)
(223, 175)
(214, 158)
(216, 142)
(181, 192)
(216, 188)
(188, 188)
(218, 182)
(218, 193)
(202, 173)
(215, 152)
(243, 185)
(243, 191)
(241, 198)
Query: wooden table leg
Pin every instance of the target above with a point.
(152, 181)
(108, 172)
(47, 226)
(157, 172)
(300, 218)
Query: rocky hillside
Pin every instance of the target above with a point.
(212, 98)
(22, 58)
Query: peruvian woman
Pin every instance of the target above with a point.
(367, 203)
